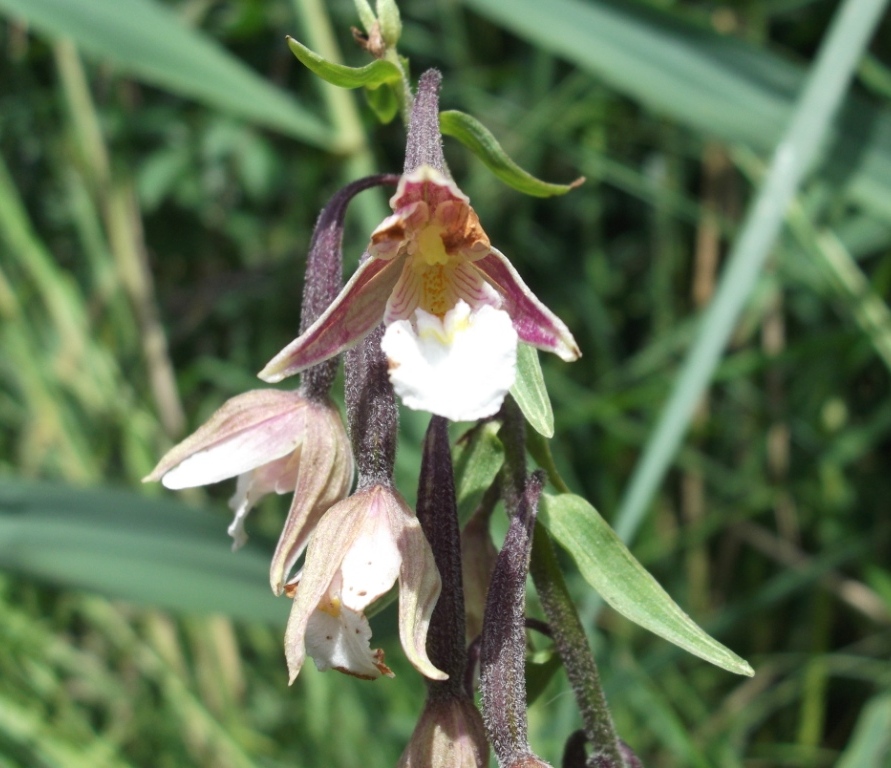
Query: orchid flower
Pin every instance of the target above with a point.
(453, 305)
(272, 441)
(357, 552)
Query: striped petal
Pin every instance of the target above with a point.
(534, 322)
(351, 316)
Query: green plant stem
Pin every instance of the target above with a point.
(572, 644)
(796, 152)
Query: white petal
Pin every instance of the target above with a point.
(253, 486)
(240, 504)
(460, 367)
(371, 566)
(341, 640)
(240, 453)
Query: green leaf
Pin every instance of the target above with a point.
(530, 392)
(607, 565)
(383, 102)
(379, 72)
(540, 670)
(477, 138)
(147, 40)
(478, 458)
(153, 551)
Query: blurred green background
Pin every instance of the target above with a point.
(161, 167)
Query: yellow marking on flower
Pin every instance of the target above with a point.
(445, 333)
(331, 607)
(430, 247)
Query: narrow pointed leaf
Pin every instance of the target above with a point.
(479, 140)
(155, 552)
(371, 75)
(147, 40)
(530, 392)
(607, 565)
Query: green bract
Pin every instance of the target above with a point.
(478, 459)
(530, 392)
(607, 565)
(383, 102)
(479, 140)
(370, 76)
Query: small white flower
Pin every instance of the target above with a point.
(460, 366)
(273, 442)
(360, 548)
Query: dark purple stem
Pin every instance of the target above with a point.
(372, 414)
(503, 646)
(324, 274)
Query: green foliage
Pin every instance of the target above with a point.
(479, 140)
(373, 75)
(607, 565)
(156, 199)
(530, 392)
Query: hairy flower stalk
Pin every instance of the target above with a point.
(503, 647)
(450, 732)
(362, 546)
(453, 306)
(566, 629)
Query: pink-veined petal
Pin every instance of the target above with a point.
(427, 184)
(406, 295)
(247, 431)
(535, 323)
(358, 308)
(473, 288)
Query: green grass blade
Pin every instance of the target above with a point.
(825, 89)
(721, 86)
(147, 40)
(152, 551)
(871, 742)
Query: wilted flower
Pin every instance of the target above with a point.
(453, 305)
(273, 441)
(357, 552)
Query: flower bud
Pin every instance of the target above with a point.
(449, 734)
(390, 22)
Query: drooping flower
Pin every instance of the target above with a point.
(272, 441)
(356, 554)
(454, 306)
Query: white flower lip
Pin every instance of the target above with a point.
(460, 367)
